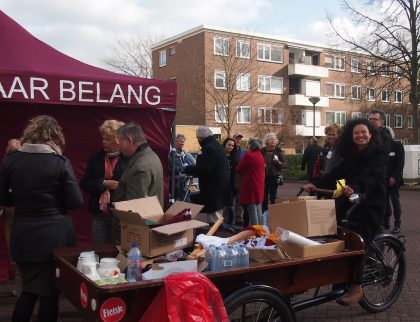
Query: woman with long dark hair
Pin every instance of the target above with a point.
(233, 160)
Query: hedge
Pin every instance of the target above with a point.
(293, 172)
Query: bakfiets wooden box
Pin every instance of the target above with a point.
(143, 221)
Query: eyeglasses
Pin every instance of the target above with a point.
(373, 119)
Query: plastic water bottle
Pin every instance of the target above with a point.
(134, 263)
(218, 258)
(243, 255)
(208, 257)
(231, 257)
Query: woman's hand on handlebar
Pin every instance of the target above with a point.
(347, 191)
(309, 187)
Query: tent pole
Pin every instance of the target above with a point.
(172, 165)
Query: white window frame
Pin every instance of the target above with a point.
(398, 71)
(266, 115)
(387, 95)
(358, 92)
(337, 63)
(370, 97)
(410, 122)
(172, 51)
(387, 120)
(356, 115)
(243, 82)
(370, 67)
(267, 81)
(398, 121)
(162, 58)
(339, 117)
(396, 99)
(221, 49)
(339, 90)
(220, 74)
(240, 116)
(384, 70)
(240, 45)
(355, 68)
(267, 53)
(217, 114)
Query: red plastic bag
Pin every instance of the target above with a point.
(187, 297)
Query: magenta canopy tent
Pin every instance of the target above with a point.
(37, 79)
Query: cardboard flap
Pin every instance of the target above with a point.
(321, 217)
(128, 217)
(181, 205)
(146, 208)
(179, 227)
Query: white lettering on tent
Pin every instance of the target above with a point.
(40, 88)
(138, 97)
(118, 89)
(69, 89)
(83, 90)
(15, 89)
(156, 97)
(98, 94)
(2, 92)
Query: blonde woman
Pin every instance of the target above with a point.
(40, 183)
(101, 179)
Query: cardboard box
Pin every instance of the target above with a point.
(261, 255)
(331, 246)
(304, 217)
(142, 221)
(161, 270)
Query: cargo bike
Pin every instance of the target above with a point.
(260, 292)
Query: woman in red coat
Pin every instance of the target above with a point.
(251, 193)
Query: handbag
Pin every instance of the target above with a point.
(280, 180)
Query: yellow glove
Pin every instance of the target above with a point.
(339, 188)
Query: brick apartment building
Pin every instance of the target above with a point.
(253, 84)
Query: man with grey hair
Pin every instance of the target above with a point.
(212, 172)
(143, 176)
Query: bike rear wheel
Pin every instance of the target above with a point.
(383, 274)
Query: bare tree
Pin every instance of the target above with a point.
(228, 82)
(133, 55)
(390, 35)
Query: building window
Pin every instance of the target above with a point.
(172, 51)
(270, 53)
(243, 82)
(220, 79)
(220, 115)
(243, 49)
(398, 96)
(270, 84)
(370, 94)
(398, 71)
(387, 119)
(355, 65)
(243, 115)
(356, 115)
(335, 90)
(221, 46)
(384, 95)
(336, 117)
(370, 67)
(398, 121)
(384, 70)
(269, 115)
(356, 92)
(162, 58)
(335, 62)
(410, 121)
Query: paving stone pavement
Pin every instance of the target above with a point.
(404, 310)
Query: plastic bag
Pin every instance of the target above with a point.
(187, 297)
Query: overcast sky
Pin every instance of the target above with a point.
(86, 29)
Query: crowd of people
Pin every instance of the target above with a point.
(38, 187)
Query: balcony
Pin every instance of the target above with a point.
(302, 100)
(307, 71)
(305, 130)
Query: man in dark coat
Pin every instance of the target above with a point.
(394, 180)
(212, 172)
(309, 157)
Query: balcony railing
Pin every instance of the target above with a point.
(302, 100)
(307, 71)
(306, 130)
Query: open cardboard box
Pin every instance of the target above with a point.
(161, 270)
(309, 218)
(143, 221)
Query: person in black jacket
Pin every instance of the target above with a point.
(40, 183)
(310, 155)
(394, 180)
(100, 181)
(212, 172)
(363, 161)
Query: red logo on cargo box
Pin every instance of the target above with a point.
(83, 295)
(112, 310)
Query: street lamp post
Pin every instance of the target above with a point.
(313, 100)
